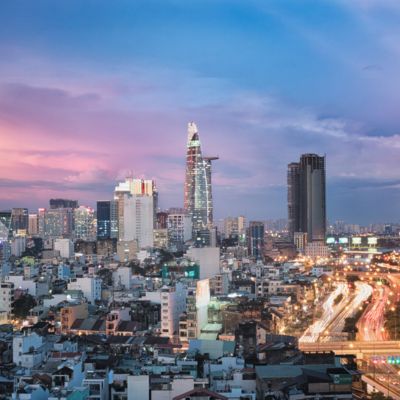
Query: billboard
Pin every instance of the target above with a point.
(343, 240)
(372, 241)
(330, 240)
(356, 240)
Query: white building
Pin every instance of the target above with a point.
(138, 220)
(197, 302)
(6, 299)
(90, 287)
(134, 187)
(139, 387)
(173, 304)
(207, 258)
(28, 351)
(317, 250)
(65, 247)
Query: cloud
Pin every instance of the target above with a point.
(83, 141)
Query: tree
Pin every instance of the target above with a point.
(23, 305)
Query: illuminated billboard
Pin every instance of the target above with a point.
(356, 240)
(372, 241)
(343, 240)
(330, 240)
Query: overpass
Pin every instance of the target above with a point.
(358, 348)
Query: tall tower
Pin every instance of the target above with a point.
(293, 184)
(198, 188)
(306, 197)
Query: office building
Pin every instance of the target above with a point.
(55, 223)
(162, 218)
(19, 220)
(5, 225)
(137, 224)
(33, 225)
(84, 223)
(179, 226)
(234, 226)
(135, 187)
(198, 188)
(306, 197)
(107, 219)
(255, 239)
(139, 188)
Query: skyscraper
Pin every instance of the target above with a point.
(256, 239)
(306, 197)
(198, 188)
(84, 223)
(293, 182)
(135, 187)
(5, 225)
(19, 219)
(107, 219)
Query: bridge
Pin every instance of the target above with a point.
(358, 348)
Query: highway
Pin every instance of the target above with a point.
(330, 310)
(371, 325)
(362, 292)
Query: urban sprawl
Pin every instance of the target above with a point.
(130, 302)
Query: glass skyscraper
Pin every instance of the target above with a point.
(198, 188)
(107, 219)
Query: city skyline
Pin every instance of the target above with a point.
(83, 104)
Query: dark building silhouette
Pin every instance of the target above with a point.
(256, 239)
(63, 203)
(306, 197)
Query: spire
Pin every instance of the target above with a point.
(193, 134)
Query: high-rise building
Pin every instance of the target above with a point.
(33, 225)
(84, 223)
(19, 219)
(234, 226)
(198, 187)
(179, 226)
(55, 223)
(293, 182)
(107, 219)
(140, 187)
(63, 203)
(137, 223)
(5, 225)
(256, 239)
(306, 197)
(162, 218)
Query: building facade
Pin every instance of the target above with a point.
(306, 197)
